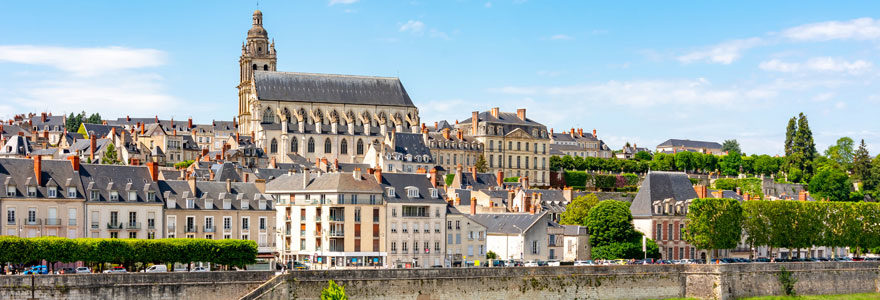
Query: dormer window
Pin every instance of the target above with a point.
(244, 204)
(151, 196)
(190, 203)
(434, 193)
(412, 192)
(261, 205)
(372, 199)
(209, 204)
(32, 191)
(227, 204)
(52, 192)
(114, 196)
(10, 191)
(71, 192)
(170, 203)
(390, 192)
(93, 195)
(132, 196)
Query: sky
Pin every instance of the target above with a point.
(639, 72)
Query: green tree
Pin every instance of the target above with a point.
(95, 118)
(861, 163)
(790, 132)
(730, 145)
(804, 149)
(684, 161)
(110, 156)
(831, 183)
(491, 255)
(333, 292)
(577, 211)
(730, 164)
(714, 223)
(481, 165)
(184, 164)
(609, 222)
(841, 153)
(643, 155)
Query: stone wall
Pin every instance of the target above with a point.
(174, 285)
(594, 282)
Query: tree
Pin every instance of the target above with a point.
(684, 161)
(790, 132)
(841, 153)
(184, 164)
(333, 292)
(481, 165)
(110, 156)
(861, 163)
(642, 155)
(714, 223)
(831, 183)
(730, 145)
(804, 148)
(730, 164)
(610, 222)
(95, 118)
(577, 211)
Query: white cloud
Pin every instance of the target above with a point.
(856, 29)
(818, 64)
(724, 53)
(110, 80)
(412, 26)
(334, 2)
(559, 37)
(83, 61)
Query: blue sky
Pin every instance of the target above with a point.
(641, 72)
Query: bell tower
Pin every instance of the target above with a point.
(257, 54)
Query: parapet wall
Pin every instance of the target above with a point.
(593, 282)
(174, 285)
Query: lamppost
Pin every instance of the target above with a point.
(522, 246)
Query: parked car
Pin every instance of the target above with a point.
(157, 268)
(531, 263)
(299, 266)
(66, 271)
(200, 269)
(553, 263)
(83, 270)
(36, 270)
(116, 270)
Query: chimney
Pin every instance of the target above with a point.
(494, 112)
(738, 191)
(594, 132)
(450, 202)
(189, 123)
(142, 128)
(223, 152)
(701, 191)
(527, 202)
(747, 197)
(228, 185)
(38, 167)
(272, 163)
(436, 125)
(802, 196)
(305, 177)
(499, 178)
(446, 133)
(43, 117)
(356, 174)
(205, 151)
(45, 134)
(525, 182)
(378, 174)
(521, 114)
(433, 173)
(247, 177)
(153, 167)
(127, 118)
(459, 134)
(93, 143)
(74, 162)
(475, 119)
(261, 185)
(551, 132)
(473, 206)
(457, 201)
(191, 180)
(157, 119)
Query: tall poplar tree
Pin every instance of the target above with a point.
(805, 145)
(789, 136)
(861, 163)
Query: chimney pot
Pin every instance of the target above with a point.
(38, 169)
(473, 206)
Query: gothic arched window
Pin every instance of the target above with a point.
(255, 67)
(311, 145)
(268, 117)
(360, 147)
(294, 145)
(265, 67)
(327, 146)
(343, 147)
(273, 147)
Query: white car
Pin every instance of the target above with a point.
(83, 270)
(157, 269)
(530, 263)
(583, 263)
(200, 269)
(553, 263)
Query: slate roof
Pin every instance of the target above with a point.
(288, 182)
(503, 118)
(11, 130)
(179, 190)
(690, 144)
(660, 186)
(225, 171)
(330, 88)
(344, 182)
(574, 230)
(507, 223)
(401, 180)
(106, 178)
(20, 173)
(410, 143)
(100, 130)
(482, 182)
(726, 194)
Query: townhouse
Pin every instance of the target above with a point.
(122, 201)
(416, 215)
(42, 198)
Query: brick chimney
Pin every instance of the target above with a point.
(457, 201)
(701, 190)
(436, 125)
(594, 133)
(93, 143)
(446, 133)
(272, 163)
(153, 167)
(802, 196)
(127, 118)
(527, 202)
(356, 174)
(739, 191)
(459, 134)
(223, 151)
(74, 162)
(378, 174)
(38, 167)
(43, 117)
(499, 178)
(521, 114)
(473, 206)
(494, 112)
(525, 182)
(433, 173)
(142, 128)
(157, 119)
(189, 123)
(475, 119)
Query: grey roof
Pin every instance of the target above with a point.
(690, 144)
(349, 167)
(504, 118)
(288, 182)
(179, 190)
(345, 182)
(107, 178)
(507, 223)
(659, 186)
(400, 181)
(483, 181)
(20, 173)
(574, 230)
(7, 130)
(410, 143)
(100, 130)
(330, 88)
(225, 171)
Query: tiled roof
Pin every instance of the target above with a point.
(660, 186)
(508, 223)
(690, 144)
(329, 88)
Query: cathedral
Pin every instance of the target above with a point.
(315, 116)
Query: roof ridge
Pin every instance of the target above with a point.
(331, 74)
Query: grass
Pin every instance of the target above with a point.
(868, 296)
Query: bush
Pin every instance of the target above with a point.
(725, 184)
(511, 179)
(606, 182)
(451, 177)
(576, 178)
(333, 292)
(631, 179)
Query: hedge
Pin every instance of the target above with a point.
(127, 251)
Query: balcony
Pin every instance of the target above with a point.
(337, 219)
(53, 222)
(171, 228)
(33, 222)
(95, 225)
(71, 222)
(208, 229)
(151, 226)
(340, 233)
(114, 226)
(133, 225)
(191, 229)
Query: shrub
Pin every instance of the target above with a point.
(725, 184)
(575, 178)
(511, 179)
(605, 182)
